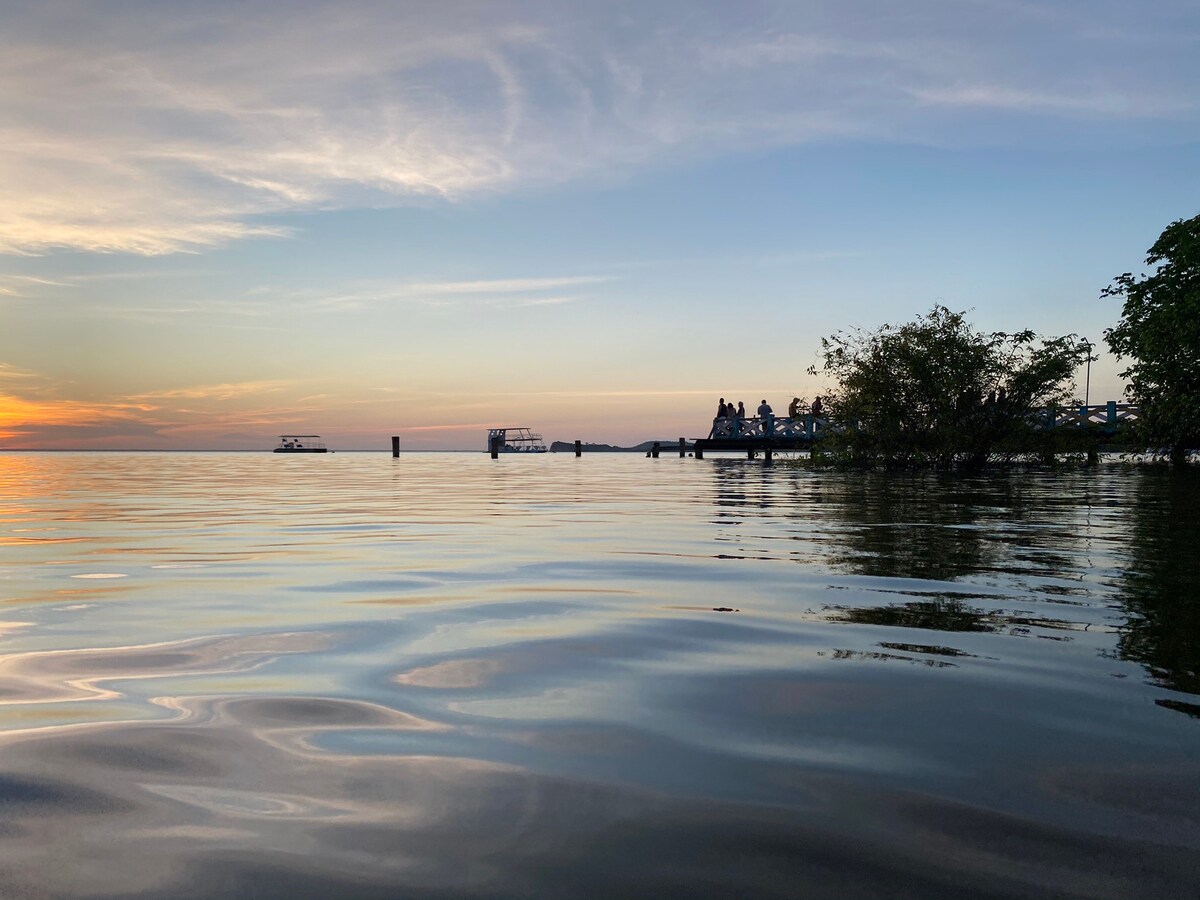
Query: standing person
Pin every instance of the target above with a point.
(721, 422)
(767, 415)
(816, 406)
(794, 408)
(741, 410)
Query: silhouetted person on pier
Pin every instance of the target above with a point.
(721, 422)
(816, 406)
(741, 410)
(794, 408)
(767, 415)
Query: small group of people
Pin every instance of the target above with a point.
(795, 409)
(730, 417)
(729, 411)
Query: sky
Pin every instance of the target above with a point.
(224, 221)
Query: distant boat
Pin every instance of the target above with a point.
(515, 440)
(301, 443)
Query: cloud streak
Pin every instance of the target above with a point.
(217, 392)
(152, 128)
(505, 293)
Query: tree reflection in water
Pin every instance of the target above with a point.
(1158, 588)
(939, 614)
(945, 528)
(919, 527)
(984, 554)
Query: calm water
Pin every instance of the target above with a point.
(443, 675)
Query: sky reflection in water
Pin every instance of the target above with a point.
(443, 675)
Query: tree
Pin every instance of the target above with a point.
(936, 392)
(1159, 332)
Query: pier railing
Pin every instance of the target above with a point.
(1105, 417)
(803, 428)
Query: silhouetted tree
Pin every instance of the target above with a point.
(1160, 332)
(937, 392)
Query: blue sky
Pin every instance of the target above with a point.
(226, 221)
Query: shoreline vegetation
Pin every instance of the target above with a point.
(936, 393)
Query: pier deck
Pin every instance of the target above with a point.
(755, 435)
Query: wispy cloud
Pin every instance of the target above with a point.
(218, 392)
(501, 286)
(25, 285)
(12, 373)
(1000, 96)
(521, 302)
(153, 128)
(498, 292)
(268, 307)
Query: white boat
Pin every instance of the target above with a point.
(301, 443)
(514, 440)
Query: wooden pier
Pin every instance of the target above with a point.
(1107, 418)
(757, 436)
(765, 436)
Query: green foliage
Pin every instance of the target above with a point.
(936, 392)
(1159, 332)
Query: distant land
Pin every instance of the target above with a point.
(644, 446)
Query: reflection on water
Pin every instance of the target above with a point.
(234, 674)
(1157, 589)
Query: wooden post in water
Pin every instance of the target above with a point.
(699, 452)
(654, 450)
(682, 448)
(395, 446)
(767, 456)
(494, 446)
(578, 448)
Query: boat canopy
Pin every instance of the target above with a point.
(301, 442)
(515, 439)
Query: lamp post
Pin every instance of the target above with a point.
(1087, 384)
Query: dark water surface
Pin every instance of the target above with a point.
(443, 675)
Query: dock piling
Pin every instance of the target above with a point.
(395, 446)
(682, 448)
(578, 448)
